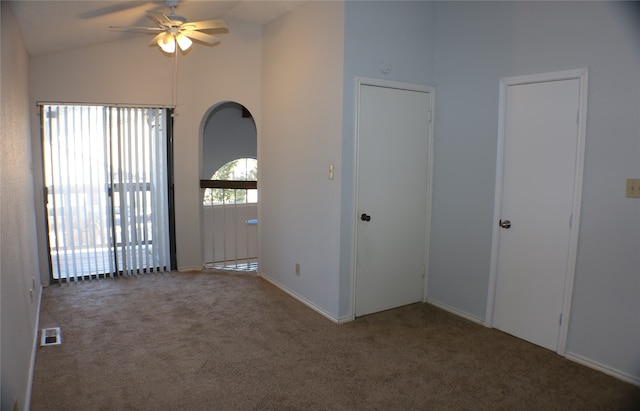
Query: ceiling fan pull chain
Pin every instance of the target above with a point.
(174, 91)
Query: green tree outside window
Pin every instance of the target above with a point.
(241, 169)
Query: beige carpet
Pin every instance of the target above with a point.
(215, 341)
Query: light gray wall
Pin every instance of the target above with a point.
(473, 52)
(477, 44)
(227, 136)
(18, 249)
(396, 35)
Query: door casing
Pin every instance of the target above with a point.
(582, 76)
(364, 81)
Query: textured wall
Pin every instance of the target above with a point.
(301, 136)
(18, 250)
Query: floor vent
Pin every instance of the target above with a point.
(51, 336)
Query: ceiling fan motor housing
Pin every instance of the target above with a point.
(176, 21)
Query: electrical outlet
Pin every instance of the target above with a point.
(633, 187)
(297, 268)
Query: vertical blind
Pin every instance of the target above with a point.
(107, 180)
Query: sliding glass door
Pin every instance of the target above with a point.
(107, 190)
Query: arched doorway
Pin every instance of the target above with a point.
(228, 184)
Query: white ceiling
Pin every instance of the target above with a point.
(50, 26)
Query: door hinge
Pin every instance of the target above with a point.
(430, 116)
(560, 320)
(45, 191)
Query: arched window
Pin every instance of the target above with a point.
(241, 169)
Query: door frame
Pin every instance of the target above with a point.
(47, 276)
(582, 76)
(398, 85)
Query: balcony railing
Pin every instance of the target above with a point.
(230, 226)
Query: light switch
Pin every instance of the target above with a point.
(633, 187)
(330, 171)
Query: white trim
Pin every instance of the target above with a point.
(631, 379)
(123, 105)
(582, 75)
(345, 319)
(432, 107)
(354, 201)
(454, 311)
(497, 211)
(32, 365)
(191, 269)
(367, 81)
(302, 299)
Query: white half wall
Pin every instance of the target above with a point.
(227, 234)
(301, 136)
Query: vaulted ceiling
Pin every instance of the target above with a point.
(50, 26)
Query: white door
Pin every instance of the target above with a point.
(541, 150)
(392, 196)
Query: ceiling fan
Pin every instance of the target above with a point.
(173, 29)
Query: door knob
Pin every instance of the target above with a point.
(365, 217)
(505, 224)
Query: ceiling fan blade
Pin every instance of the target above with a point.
(205, 25)
(137, 29)
(203, 37)
(159, 18)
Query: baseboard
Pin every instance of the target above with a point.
(191, 269)
(34, 348)
(621, 375)
(455, 311)
(345, 319)
(300, 298)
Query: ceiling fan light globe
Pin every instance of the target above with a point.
(167, 44)
(184, 42)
